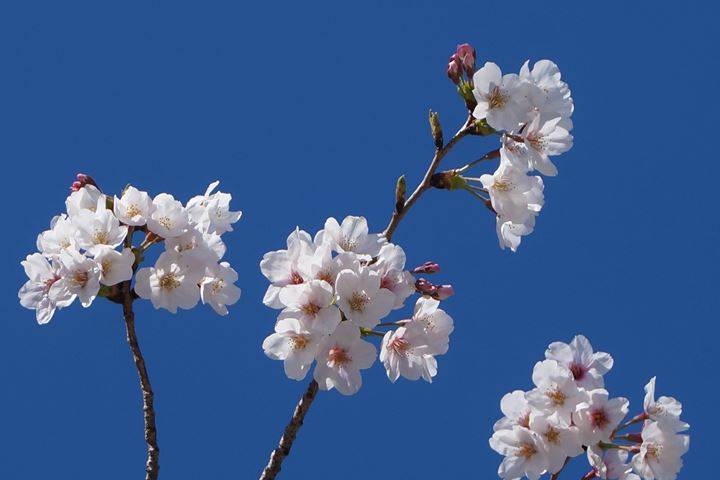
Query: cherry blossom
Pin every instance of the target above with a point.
(340, 358)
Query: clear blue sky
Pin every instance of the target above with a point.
(309, 110)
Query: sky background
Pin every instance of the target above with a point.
(310, 110)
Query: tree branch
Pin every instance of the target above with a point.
(424, 185)
(152, 467)
(286, 441)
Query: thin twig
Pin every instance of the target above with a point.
(152, 466)
(424, 185)
(286, 441)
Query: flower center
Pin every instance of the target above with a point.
(165, 222)
(79, 278)
(217, 285)
(132, 211)
(599, 418)
(524, 421)
(502, 185)
(348, 244)
(387, 282)
(310, 309)
(296, 278)
(552, 435)
(400, 346)
(100, 238)
(537, 142)
(106, 266)
(358, 301)
(338, 356)
(557, 396)
(169, 282)
(299, 342)
(325, 275)
(49, 283)
(497, 98)
(526, 450)
(578, 371)
(653, 451)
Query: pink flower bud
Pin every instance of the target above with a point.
(454, 69)
(443, 292)
(81, 181)
(425, 287)
(466, 56)
(427, 267)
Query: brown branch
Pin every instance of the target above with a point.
(286, 441)
(424, 185)
(152, 466)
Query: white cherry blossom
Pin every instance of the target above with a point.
(115, 267)
(598, 417)
(562, 440)
(587, 366)
(610, 464)
(556, 390)
(170, 284)
(169, 218)
(313, 304)
(295, 345)
(503, 100)
(340, 358)
(41, 292)
(197, 248)
(98, 229)
(557, 101)
(134, 207)
(390, 265)
(661, 452)
(516, 409)
(62, 235)
(218, 288)
(410, 350)
(513, 193)
(351, 236)
(360, 297)
(80, 276)
(524, 450)
(86, 198)
(282, 267)
(665, 411)
(511, 230)
(211, 212)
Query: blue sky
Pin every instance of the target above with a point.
(305, 111)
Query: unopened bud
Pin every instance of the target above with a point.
(81, 181)
(454, 70)
(436, 129)
(425, 287)
(400, 192)
(427, 267)
(466, 55)
(443, 292)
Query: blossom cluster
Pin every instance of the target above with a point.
(333, 290)
(531, 111)
(569, 413)
(88, 251)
